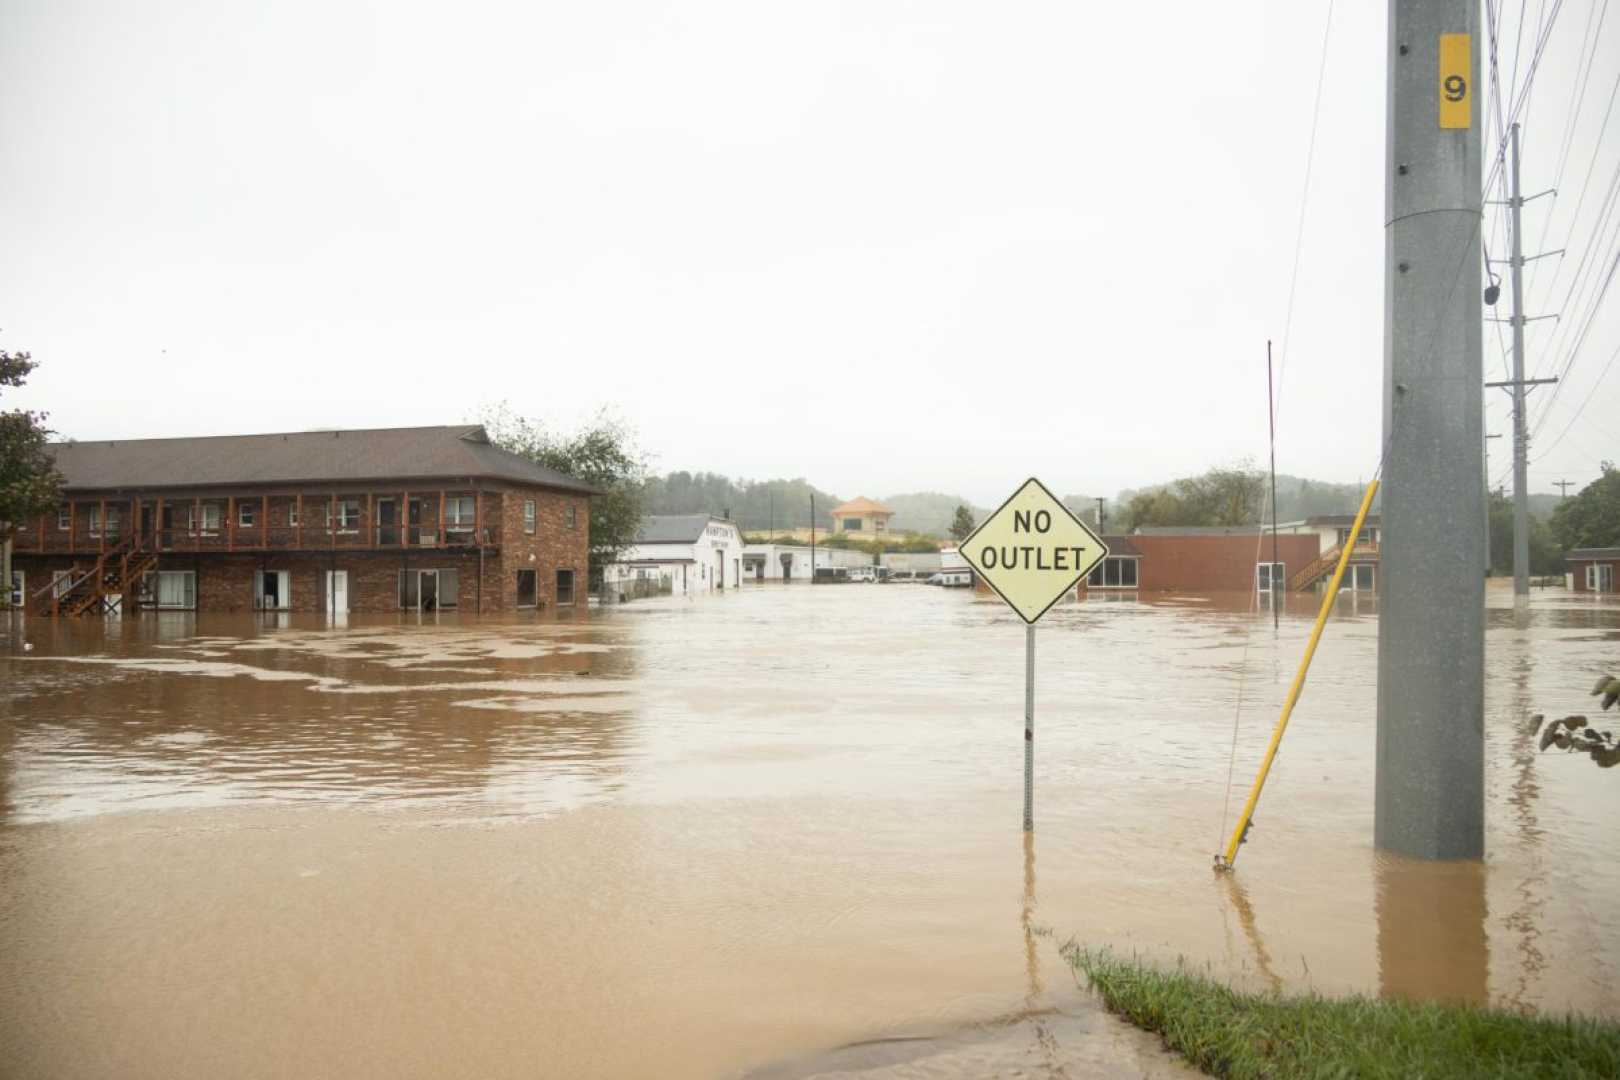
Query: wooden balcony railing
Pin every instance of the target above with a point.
(267, 532)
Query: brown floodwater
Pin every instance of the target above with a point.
(773, 832)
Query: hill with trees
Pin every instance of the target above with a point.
(1236, 494)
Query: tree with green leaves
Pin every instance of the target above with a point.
(962, 524)
(1545, 556)
(1225, 495)
(1592, 518)
(29, 483)
(602, 453)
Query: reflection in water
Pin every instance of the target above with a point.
(785, 830)
(1431, 930)
(1528, 904)
(1032, 964)
(1238, 896)
(158, 715)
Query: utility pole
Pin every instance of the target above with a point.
(812, 538)
(1271, 422)
(1521, 431)
(1518, 386)
(1489, 566)
(1563, 487)
(1102, 515)
(1430, 799)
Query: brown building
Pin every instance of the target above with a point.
(1594, 570)
(1202, 559)
(366, 521)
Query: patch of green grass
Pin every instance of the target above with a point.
(1228, 1033)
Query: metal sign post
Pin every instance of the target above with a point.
(1029, 728)
(1032, 551)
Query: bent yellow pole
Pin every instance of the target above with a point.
(1299, 679)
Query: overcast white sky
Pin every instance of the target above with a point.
(887, 246)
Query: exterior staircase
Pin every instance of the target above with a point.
(1324, 565)
(85, 590)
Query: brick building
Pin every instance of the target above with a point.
(1205, 559)
(1593, 570)
(367, 521)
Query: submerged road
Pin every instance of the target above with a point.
(773, 832)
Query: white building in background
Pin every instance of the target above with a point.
(791, 562)
(696, 552)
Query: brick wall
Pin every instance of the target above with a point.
(553, 545)
(1216, 563)
(225, 579)
(225, 582)
(1577, 570)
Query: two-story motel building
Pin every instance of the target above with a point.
(379, 520)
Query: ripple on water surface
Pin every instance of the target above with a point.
(822, 780)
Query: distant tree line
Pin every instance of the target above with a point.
(898, 542)
(1225, 495)
(756, 505)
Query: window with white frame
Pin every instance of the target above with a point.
(459, 512)
(19, 588)
(246, 514)
(1270, 577)
(176, 590)
(528, 515)
(292, 515)
(569, 515)
(1369, 535)
(64, 517)
(1114, 572)
(210, 517)
(113, 520)
(348, 511)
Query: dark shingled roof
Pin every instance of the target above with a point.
(463, 452)
(674, 528)
(1341, 519)
(1122, 547)
(1196, 530)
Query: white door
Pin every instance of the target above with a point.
(337, 592)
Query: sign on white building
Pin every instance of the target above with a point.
(696, 552)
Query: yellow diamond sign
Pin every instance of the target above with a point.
(1033, 550)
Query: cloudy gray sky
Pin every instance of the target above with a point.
(889, 246)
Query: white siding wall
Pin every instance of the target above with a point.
(695, 567)
(825, 556)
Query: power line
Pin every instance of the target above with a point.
(1582, 407)
(1304, 203)
(1572, 118)
(1580, 200)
